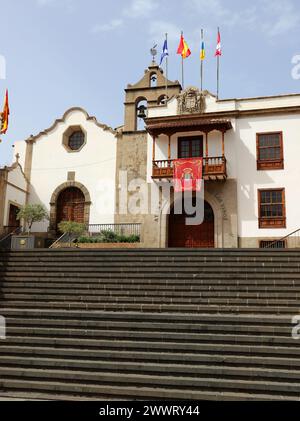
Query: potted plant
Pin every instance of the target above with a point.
(72, 229)
(29, 214)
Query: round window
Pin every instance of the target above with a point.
(76, 141)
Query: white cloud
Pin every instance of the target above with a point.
(106, 27)
(286, 17)
(224, 15)
(140, 8)
(272, 17)
(136, 9)
(158, 29)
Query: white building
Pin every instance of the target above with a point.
(250, 150)
(71, 170)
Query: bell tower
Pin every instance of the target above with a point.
(132, 145)
(150, 91)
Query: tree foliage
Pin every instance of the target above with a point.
(31, 214)
(71, 228)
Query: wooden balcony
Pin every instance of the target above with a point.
(214, 169)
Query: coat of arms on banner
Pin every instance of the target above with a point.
(188, 174)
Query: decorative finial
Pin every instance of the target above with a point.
(153, 52)
(17, 157)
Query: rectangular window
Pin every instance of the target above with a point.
(270, 151)
(190, 147)
(272, 208)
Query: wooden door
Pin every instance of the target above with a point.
(191, 236)
(70, 205)
(13, 222)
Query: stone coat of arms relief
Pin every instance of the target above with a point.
(191, 101)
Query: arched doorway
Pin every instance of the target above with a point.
(191, 236)
(70, 205)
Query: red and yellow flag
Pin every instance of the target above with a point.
(5, 115)
(183, 48)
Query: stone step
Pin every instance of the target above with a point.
(198, 278)
(127, 326)
(121, 335)
(84, 354)
(105, 293)
(193, 319)
(58, 390)
(113, 288)
(141, 265)
(166, 270)
(152, 251)
(195, 299)
(199, 383)
(160, 308)
(291, 350)
(223, 371)
(151, 324)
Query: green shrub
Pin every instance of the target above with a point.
(71, 228)
(109, 237)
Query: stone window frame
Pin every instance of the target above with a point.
(66, 135)
(55, 195)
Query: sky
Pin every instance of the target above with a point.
(64, 53)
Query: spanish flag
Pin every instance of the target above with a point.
(5, 115)
(183, 48)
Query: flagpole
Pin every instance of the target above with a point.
(218, 72)
(201, 72)
(167, 69)
(218, 76)
(182, 68)
(182, 71)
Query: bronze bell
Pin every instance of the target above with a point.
(141, 112)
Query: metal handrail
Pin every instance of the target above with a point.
(59, 240)
(282, 239)
(14, 232)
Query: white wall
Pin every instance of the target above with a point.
(13, 194)
(240, 152)
(250, 180)
(94, 165)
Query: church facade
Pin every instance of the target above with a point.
(79, 168)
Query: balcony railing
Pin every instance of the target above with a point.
(214, 168)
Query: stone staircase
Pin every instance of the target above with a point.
(150, 324)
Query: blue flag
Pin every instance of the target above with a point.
(165, 52)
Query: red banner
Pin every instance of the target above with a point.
(188, 174)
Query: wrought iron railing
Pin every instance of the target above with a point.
(119, 229)
(94, 230)
(291, 240)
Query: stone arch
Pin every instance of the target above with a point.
(140, 101)
(55, 195)
(218, 218)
